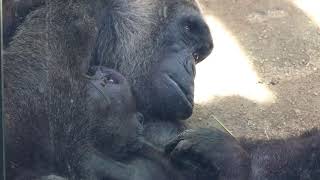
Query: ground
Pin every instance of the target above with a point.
(263, 77)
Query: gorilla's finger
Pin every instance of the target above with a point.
(171, 145)
(187, 134)
(182, 147)
(182, 155)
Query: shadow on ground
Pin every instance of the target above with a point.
(266, 82)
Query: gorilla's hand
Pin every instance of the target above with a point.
(208, 154)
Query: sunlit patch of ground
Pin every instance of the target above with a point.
(228, 71)
(310, 7)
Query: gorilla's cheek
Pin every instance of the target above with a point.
(173, 86)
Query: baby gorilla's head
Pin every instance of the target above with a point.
(117, 124)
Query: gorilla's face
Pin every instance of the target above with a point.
(156, 49)
(187, 41)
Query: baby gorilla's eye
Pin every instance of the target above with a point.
(191, 25)
(108, 79)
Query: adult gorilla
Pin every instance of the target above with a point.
(155, 45)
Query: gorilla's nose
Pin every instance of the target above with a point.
(201, 53)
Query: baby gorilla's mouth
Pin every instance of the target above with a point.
(187, 97)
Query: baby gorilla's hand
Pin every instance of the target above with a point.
(209, 154)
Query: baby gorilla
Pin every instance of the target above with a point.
(109, 133)
(108, 142)
(120, 135)
(105, 131)
(109, 96)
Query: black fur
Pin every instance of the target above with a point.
(14, 12)
(294, 158)
(48, 117)
(55, 119)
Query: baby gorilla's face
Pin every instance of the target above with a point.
(110, 90)
(113, 110)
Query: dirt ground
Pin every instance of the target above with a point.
(282, 45)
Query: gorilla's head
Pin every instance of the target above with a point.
(111, 106)
(156, 45)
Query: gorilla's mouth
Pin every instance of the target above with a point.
(183, 92)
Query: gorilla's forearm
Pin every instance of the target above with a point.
(293, 158)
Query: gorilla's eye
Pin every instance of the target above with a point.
(190, 26)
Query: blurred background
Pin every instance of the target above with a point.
(262, 79)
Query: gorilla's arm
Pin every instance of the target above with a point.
(293, 158)
(209, 154)
(209, 151)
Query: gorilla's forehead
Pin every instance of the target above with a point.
(171, 9)
(189, 3)
(193, 2)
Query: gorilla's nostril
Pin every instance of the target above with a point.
(203, 52)
(196, 56)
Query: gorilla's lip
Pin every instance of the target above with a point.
(182, 91)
